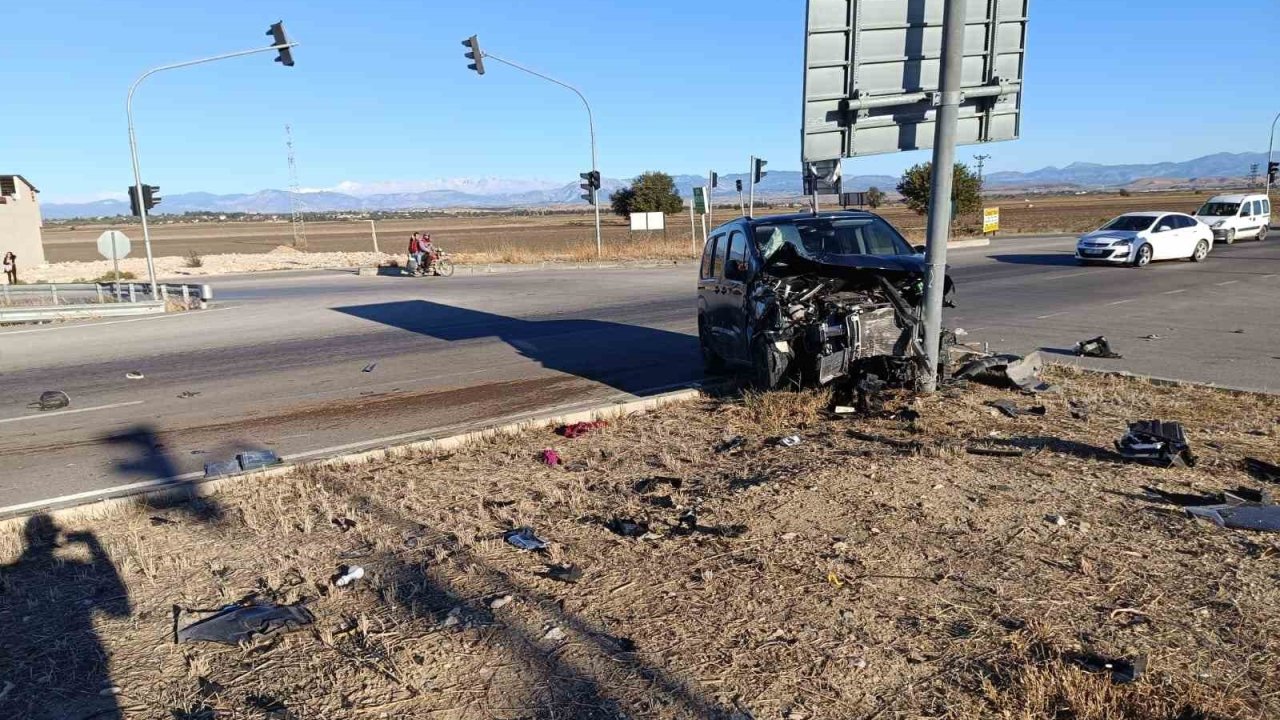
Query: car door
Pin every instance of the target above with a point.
(738, 270)
(1188, 236)
(1248, 218)
(1164, 238)
(710, 291)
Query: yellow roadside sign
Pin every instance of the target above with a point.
(990, 220)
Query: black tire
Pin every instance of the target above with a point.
(1201, 252)
(1231, 237)
(712, 363)
(1262, 234)
(1143, 258)
(768, 365)
(444, 267)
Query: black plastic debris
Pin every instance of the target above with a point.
(1238, 496)
(628, 527)
(661, 501)
(687, 524)
(1007, 408)
(369, 368)
(731, 444)
(1017, 371)
(869, 394)
(524, 539)
(563, 573)
(257, 459)
(235, 624)
(1240, 516)
(913, 446)
(343, 523)
(157, 520)
(187, 395)
(1097, 348)
(652, 483)
(1262, 470)
(995, 451)
(221, 469)
(1122, 671)
(1156, 442)
(51, 400)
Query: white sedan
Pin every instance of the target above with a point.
(1138, 238)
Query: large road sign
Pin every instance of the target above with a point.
(113, 245)
(872, 75)
(990, 220)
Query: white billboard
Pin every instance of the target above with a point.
(648, 221)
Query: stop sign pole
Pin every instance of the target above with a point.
(280, 43)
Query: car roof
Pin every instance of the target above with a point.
(1151, 213)
(794, 217)
(1234, 198)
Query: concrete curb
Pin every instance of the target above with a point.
(972, 243)
(1170, 382)
(186, 487)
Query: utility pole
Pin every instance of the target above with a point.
(944, 159)
(982, 161)
(1271, 165)
(1253, 176)
(280, 43)
(299, 224)
(478, 56)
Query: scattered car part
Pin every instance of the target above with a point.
(187, 394)
(51, 400)
(790, 441)
(628, 527)
(1122, 671)
(1007, 370)
(1238, 496)
(550, 457)
(579, 429)
(732, 443)
(524, 539)
(1158, 442)
(343, 523)
(563, 573)
(235, 624)
(1262, 470)
(134, 375)
(221, 469)
(1240, 516)
(1097, 347)
(347, 575)
(257, 459)
(914, 446)
(369, 368)
(995, 451)
(650, 484)
(1006, 407)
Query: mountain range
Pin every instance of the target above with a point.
(503, 193)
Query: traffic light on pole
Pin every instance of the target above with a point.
(1273, 169)
(133, 201)
(590, 184)
(715, 180)
(474, 54)
(738, 184)
(757, 172)
(150, 198)
(280, 41)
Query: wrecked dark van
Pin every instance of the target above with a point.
(811, 298)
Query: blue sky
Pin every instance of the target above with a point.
(381, 91)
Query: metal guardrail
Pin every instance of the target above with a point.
(83, 311)
(94, 293)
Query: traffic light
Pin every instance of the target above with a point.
(133, 201)
(715, 180)
(280, 41)
(150, 198)
(738, 184)
(1273, 169)
(590, 184)
(757, 172)
(474, 54)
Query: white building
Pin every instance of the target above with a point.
(20, 222)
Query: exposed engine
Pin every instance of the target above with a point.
(822, 328)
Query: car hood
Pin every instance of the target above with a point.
(1210, 220)
(1109, 236)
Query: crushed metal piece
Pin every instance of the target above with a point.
(1097, 348)
(1241, 516)
(524, 539)
(1155, 441)
(239, 623)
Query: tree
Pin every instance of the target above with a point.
(651, 192)
(875, 197)
(966, 191)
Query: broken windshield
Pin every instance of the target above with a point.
(832, 236)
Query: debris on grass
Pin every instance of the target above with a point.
(550, 458)
(563, 573)
(257, 459)
(236, 624)
(347, 575)
(789, 441)
(1240, 516)
(524, 539)
(1157, 442)
(1262, 470)
(578, 429)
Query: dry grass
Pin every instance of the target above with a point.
(842, 578)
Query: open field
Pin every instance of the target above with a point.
(842, 578)
(510, 238)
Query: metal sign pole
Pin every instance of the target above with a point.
(1271, 147)
(944, 160)
(373, 228)
(711, 199)
(115, 256)
(693, 228)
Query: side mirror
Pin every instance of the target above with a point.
(922, 249)
(1163, 228)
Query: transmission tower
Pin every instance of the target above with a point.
(982, 162)
(295, 204)
(1253, 175)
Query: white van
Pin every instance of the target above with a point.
(1234, 217)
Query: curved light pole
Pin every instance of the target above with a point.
(591, 125)
(1270, 147)
(283, 47)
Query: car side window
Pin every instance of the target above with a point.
(1266, 207)
(709, 258)
(1246, 208)
(735, 267)
(1163, 224)
(1257, 207)
(1184, 222)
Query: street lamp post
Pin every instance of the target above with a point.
(1271, 147)
(282, 45)
(480, 55)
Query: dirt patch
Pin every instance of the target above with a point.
(838, 578)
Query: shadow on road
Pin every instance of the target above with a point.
(153, 461)
(631, 358)
(50, 650)
(1051, 259)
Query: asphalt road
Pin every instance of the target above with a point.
(319, 363)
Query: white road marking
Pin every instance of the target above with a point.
(1228, 282)
(1046, 317)
(42, 416)
(1069, 275)
(1173, 292)
(1119, 302)
(191, 313)
(1268, 277)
